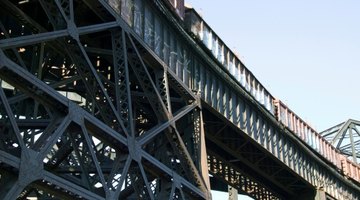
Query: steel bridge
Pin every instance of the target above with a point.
(135, 99)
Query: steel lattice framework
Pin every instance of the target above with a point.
(346, 138)
(109, 99)
(84, 114)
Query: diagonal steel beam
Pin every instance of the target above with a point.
(9, 159)
(145, 80)
(122, 178)
(2, 59)
(162, 84)
(353, 151)
(84, 67)
(90, 146)
(11, 117)
(147, 136)
(110, 133)
(162, 113)
(171, 173)
(340, 134)
(48, 36)
(51, 11)
(52, 139)
(70, 187)
(27, 82)
(68, 11)
(11, 9)
(179, 85)
(122, 80)
(143, 174)
(14, 191)
(17, 55)
(21, 97)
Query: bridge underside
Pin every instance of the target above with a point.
(236, 158)
(88, 110)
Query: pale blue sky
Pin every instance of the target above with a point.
(305, 52)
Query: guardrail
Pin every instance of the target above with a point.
(232, 64)
(228, 59)
(162, 41)
(307, 134)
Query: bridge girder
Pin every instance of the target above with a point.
(85, 113)
(97, 103)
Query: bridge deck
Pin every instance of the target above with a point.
(127, 99)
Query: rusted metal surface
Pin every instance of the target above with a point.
(312, 138)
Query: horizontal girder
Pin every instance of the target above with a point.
(115, 100)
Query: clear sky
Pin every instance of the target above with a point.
(305, 52)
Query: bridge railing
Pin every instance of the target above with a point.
(163, 42)
(227, 58)
(232, 64)
(306, 133)
(350, 169)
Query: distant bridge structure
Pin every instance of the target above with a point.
(135, 99)
(346, 138)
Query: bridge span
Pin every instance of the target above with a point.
(135, 99)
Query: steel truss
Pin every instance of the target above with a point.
(346, 138)
(90, 109)
(87, 113)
